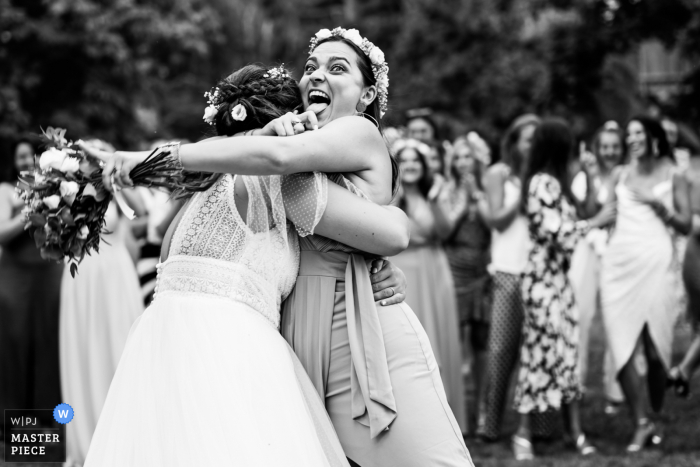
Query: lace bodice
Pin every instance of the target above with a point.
(256, 261)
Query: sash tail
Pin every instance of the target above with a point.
(373, 402)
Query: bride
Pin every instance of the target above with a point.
(205, 377)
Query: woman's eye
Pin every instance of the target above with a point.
(337, 68)
(308, 68)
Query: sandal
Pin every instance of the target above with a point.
(645, 435)
(583, 446)
(680, 383)
(522, 448)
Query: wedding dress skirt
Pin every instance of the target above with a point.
(207, 379)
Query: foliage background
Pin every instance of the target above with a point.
(131, 71)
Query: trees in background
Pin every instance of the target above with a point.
(135, 70)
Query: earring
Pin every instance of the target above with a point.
(361, 107)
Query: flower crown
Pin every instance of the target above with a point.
(380, 69)
(238, 112)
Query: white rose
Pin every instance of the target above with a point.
(323, 34)
(52, 201)
(90, 190)
(353, 35)
(209, 113)
(53, 158)
(376, 56)
(83, 232)
(70, 165)
(383, 81)
(238, 113)
(69, 188)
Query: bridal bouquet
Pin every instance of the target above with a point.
(66, 202)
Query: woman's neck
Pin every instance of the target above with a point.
(646, 164)
(410, 188)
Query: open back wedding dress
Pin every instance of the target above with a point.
(205, 377)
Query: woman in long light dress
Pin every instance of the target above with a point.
(98, 307)
(584, 272)
(431, 291)
(638, 276)
(205, 377)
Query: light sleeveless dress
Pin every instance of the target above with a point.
(431, 295)
(638, 279)
(205, 377)
(374, 365)
(98, 307)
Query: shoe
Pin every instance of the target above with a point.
(679, 382)
(584, 447)
(522, 448)
(645, 435)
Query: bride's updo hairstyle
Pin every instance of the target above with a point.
(247, 99)
(263, 93)
(376, 109)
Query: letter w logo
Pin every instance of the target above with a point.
(63, 413)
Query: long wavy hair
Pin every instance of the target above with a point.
(552, 153)
(654, 131)
(509, 151)
(373, 110)
(426, 180)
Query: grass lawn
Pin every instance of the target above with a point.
(680, 421)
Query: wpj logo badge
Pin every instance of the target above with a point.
(36, 435)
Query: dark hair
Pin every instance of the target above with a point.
(10, 172)
(425, 114)
(654, 131)
(595, 142)
(426, 180)
(552, 151)
(374, 109)
(264, 97)
(509, 153)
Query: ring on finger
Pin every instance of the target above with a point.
(392, 291)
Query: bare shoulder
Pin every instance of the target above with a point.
(7, 190)
(354, 127)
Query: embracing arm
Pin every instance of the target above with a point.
(344, 145)
(361, 224)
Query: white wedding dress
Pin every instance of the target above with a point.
(205, 377)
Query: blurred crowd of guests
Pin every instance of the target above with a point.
(510, 260)
(512, 253)
(61, 337)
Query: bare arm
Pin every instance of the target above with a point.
(10, 227)
(344, 145)
(361, 224)
(682, 219)
(492, 209)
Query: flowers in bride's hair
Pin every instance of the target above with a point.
(52, 159)
(70, 165)
(209, 114)
(52, 201)
(376, 56)
(238, 113)
(323, 34)
(354, 36)
(68, 189)
(83, 232)
(90, 190)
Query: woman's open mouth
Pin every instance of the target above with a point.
(318, 101)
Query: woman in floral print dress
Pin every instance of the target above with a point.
(548, 377)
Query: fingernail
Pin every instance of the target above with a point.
(374, 270)
(382, 303)
(315, 127)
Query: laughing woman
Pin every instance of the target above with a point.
(376, 370)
